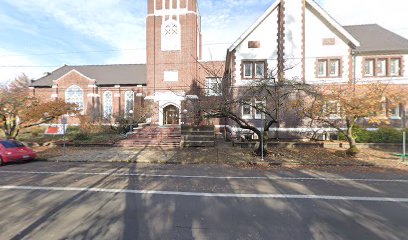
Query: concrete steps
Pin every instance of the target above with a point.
(198, 136)
(154, 136)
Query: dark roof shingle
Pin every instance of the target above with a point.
(374, 38)
(119, 74)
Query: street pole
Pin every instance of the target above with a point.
(262, 137)
(404, 145)
(64, 122)
(404, 134)
(131, 121)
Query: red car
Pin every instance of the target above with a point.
(12, 151)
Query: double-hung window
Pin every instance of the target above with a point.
(369, 67)
(253, 69)
(334, 70)
(395, 68)
(259, 69)
(246, 109)
(322, 68)
(328, 68)
(382, 67)
(259, 109)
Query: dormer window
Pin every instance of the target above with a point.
(171, 40)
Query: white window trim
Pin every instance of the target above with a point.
(324, 62)
(259, 116)
(247, 116)
(337, 72)
(372, 65)
(396, 115)
(398, 73)
(255, 70)
(244, 69)
(384, 74)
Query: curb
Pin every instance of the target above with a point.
(262, 164)
(270, 164)
(86, 144)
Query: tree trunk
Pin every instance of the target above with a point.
(353, 150)
(11, 129)
(14, 133)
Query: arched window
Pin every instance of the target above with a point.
(171, 32)
(107, 104)
(75, 95)
(129, 102)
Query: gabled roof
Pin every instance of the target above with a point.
(254, 26)
(314, 5)
(374, 38)
(119, 74)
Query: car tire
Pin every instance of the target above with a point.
(1, 161)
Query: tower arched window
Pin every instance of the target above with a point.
(171, 32)
(129, 102)
(107, 104)
(74, 94)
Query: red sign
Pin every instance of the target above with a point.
(54, 130)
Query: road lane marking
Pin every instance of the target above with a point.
(203, 194)
(208, 177)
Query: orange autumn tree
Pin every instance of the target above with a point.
(19, 110)
(350, 103)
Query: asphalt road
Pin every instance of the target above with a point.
(42, 200)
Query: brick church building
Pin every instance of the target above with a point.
(296, 32)
(165, 83)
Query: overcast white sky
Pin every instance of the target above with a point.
(39, 35)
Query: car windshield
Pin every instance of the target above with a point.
(11, 144)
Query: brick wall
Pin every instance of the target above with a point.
(183, 61)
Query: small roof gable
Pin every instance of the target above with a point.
(118, 74)
(333, 23)
(374, 38)
(254, 26)
(314, 5)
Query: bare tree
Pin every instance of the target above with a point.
(267, 96)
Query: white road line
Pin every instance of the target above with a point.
(203, 194)
(209, 177)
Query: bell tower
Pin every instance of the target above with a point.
(173, 35)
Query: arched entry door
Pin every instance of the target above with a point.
(171, 115)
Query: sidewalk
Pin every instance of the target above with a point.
(223, 153)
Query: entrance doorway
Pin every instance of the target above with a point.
(171, 115)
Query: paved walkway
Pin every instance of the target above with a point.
(141, 155)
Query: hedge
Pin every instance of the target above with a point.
(382, 135)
